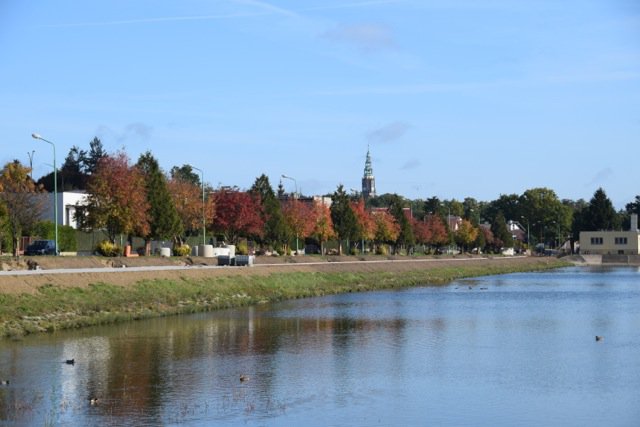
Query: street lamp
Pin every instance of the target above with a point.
(528, 235)
(31, 161)
(55, 188)
(295, 183)
(204, 223)
(295, 197)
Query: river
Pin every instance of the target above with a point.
(511, 350)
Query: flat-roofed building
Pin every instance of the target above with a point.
(612, 242)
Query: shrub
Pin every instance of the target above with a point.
(242, 248)
(182, 250)
(106, 248)
(382, 250)
(66, 235)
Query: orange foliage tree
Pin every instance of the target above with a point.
(364, 220)
(299, 217)
(387, 228)
(435, 231)
(323, 225)
(187, 198)
(116, 198)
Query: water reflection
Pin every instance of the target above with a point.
(374, 358)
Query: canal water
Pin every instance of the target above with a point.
(512, 350)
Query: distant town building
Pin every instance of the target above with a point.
(368, 180)
(68, 201)
(612, 242)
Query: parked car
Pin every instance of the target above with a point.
(41, 247)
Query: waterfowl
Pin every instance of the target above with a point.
(244, 378)
(4, 382)
(599, 338)
(93, 401)
(70, 361)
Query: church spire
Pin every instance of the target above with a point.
(368, 180)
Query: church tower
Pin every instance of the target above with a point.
(368, 181)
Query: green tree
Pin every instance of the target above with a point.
(466, 235)
(164, 221)
(406, 238)
(185, 173)
(600, 214)
(501, 236)
(344, 220)
(548, 217)
(276, 231)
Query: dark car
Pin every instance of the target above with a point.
(41, 247)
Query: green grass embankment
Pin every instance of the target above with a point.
(55, 308)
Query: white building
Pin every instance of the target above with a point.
(67, 202)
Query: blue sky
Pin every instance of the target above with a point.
(455, 98)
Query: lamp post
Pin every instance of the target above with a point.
(295, 183)
(55, 188)
(528, 235)
(295, 197)
(31, 161)
(204, 223)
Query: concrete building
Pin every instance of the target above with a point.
(612, 242)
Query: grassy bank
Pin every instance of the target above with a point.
(55, 307)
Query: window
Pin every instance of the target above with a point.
(596, 240)
(621, 240)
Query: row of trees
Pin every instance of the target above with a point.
(142, 200)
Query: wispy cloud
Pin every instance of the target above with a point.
(411, 164)
(388, 133)
(135, 130)
(268, 7)
(366, 37)
(599, 177)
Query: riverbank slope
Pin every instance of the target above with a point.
(49, 301)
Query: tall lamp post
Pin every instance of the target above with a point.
(204, 228)
(31, 161)
(295, 197)
(55, 188)
(528, 235)
(295, 183)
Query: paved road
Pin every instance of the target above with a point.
(195, 267)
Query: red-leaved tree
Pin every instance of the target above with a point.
(116, 199)
(238, 214)
(365, 221)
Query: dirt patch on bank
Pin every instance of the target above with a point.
(199, 269)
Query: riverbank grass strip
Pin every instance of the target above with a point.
(55, 308)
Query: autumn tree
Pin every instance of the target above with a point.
(116, 199)
(387, 229)
(323, 225)
(435, 231)
(366, 227)
(299, 218)
(276, 232)
(344, 220)
(238, 214)
(164, 221)
(19, 203)
(466, 234)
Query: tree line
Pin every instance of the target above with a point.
(141, 200)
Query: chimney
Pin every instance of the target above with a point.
(634, 222)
